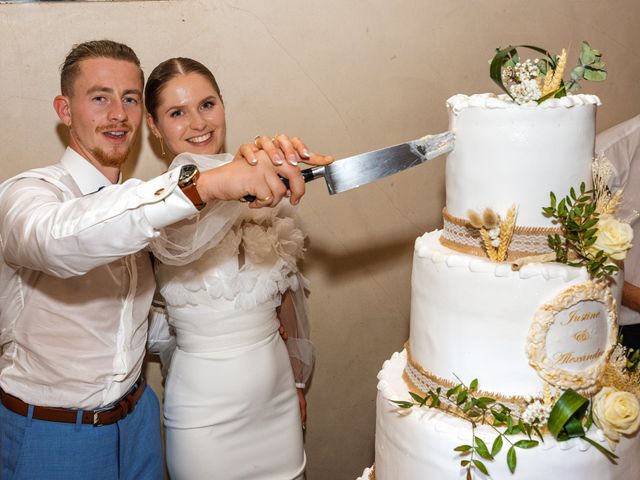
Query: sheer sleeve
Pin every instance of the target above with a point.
(186, 241)
(294, 318)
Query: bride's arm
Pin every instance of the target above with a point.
(293, 318)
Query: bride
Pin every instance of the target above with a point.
(234, 396)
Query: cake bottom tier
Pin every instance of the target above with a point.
(420, 445)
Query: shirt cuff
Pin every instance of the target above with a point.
(168, 204)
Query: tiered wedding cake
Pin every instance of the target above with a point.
(496, 336)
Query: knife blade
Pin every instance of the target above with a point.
(358, 170)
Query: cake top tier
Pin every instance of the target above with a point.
(508, 158)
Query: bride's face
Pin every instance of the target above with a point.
(190, 116)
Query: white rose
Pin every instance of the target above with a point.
(613, 237)
(616, 412)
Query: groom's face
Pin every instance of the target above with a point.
(105, 110)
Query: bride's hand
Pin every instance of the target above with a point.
(279, 148)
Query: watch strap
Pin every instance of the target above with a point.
(192, 194)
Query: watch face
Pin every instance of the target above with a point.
(187, 173)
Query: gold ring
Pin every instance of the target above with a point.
(255, 140)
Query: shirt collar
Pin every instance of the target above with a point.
(88, 178)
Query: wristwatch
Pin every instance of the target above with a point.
(187, 182)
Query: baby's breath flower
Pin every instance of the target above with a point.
(525, 92)
(526, 70)
(536, 410)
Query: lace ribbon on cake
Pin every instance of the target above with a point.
(459, 235)
(420, 381)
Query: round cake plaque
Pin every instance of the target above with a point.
(571, 338)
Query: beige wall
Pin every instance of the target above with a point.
(347, 76)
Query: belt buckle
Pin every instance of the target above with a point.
(96, 415)
(96, 419)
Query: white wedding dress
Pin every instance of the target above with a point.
(231, 409)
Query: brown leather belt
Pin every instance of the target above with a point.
(97, 417)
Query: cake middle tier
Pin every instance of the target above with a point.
(470, 318)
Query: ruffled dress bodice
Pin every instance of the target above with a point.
(240, 279)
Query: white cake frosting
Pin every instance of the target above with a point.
(420, 445)
(506, 153)
(522, 333)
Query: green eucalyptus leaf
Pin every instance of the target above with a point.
(482, 450)
(497, 446)
(511, 459)
(577, 73)
(480, 466)
(500, 417)
(454, 390)
(595, 75)
(420, 400)
(526, 444)
(474, 384)
(484, 402)
(587, 57)
(572, 193)
(514, 430)
(591, 223)
(463, 448)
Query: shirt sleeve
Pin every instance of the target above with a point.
(42, 229)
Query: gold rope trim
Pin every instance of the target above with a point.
(372, 473)
(536, 237)
(518, 401)
(463, 222)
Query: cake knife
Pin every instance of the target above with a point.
(353, 172)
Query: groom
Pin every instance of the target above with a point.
(75, 285)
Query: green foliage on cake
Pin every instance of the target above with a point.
(591, 235)
(542, 78)
(569, 416)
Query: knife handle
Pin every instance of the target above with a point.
(308, 174)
